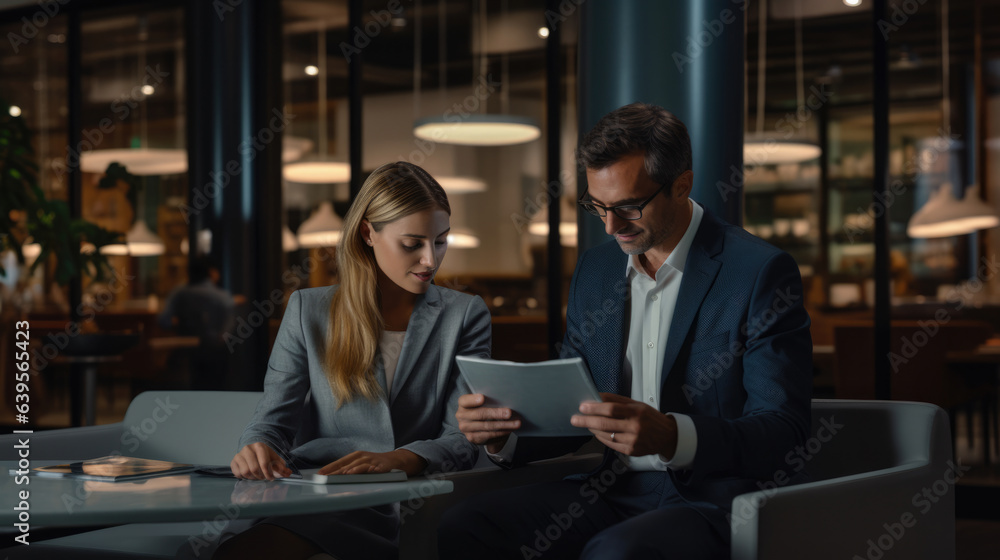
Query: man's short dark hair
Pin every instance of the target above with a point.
(639, 128)
(200, 269)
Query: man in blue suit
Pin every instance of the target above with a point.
(695, 333)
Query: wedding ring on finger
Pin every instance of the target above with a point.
(612, 436)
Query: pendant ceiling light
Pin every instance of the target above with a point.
(294, 147)
(944, 215)
(461, 238)
(539, 225)
(451, 184)
(288, 241)
(319, 170)
(142, 161)
(461, 185)
(322, 229)
(31, 250)
(480, 129)
(140, 241)
(774, 149)
(204, 241)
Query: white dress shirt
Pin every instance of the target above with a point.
(652, 310)
(391, 345)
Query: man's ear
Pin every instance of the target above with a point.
(682, 185)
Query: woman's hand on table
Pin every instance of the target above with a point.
(360, 462)
(257, 461)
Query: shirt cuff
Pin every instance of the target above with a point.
(506, 453)
(687, 444)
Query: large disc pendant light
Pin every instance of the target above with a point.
(774, 149)
(480, 129)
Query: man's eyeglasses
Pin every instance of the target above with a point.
(625, 211)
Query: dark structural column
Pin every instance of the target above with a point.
(684, 56)
(553, 128)
(355, 20)
(74, 104)
(880, 189)
(235, 123)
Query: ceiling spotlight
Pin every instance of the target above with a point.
(147, 89)
(543, 32)
(853, 3)
(312, 70)
(14, 111)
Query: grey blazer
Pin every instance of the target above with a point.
(419, 413)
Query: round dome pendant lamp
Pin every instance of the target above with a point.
(944, 215)
(480, 129)
(140, 159)
(451, 184)
(774, 149)
(319, 170)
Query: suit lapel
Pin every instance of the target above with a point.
(622, 381)
(699, 274)
(609, 360)
(418, 331)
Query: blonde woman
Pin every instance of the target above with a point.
(376, 357)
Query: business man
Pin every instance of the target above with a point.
(695, 333)
(201, 308)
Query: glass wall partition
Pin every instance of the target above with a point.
(33, 95)
(810, 80)
(432, 62)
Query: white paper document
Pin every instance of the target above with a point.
(544, 395)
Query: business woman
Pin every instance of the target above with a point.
(362, 376)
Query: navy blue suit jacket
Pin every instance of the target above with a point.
(738, 358)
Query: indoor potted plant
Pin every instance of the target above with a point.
(26, 212)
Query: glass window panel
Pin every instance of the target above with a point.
(316, 171)
(33, 82)
(444, 60)
(132, 153)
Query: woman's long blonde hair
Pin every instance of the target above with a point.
(391, 192)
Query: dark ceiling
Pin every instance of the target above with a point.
(836, 48)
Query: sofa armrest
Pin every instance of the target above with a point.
(85, 442)
(885, 511)
(419, 516)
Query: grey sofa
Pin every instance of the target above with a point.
(882, 481)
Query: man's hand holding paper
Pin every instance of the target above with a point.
(628, 426)
(484, 425)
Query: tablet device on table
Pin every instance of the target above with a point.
(543, 394)
(310, 476)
